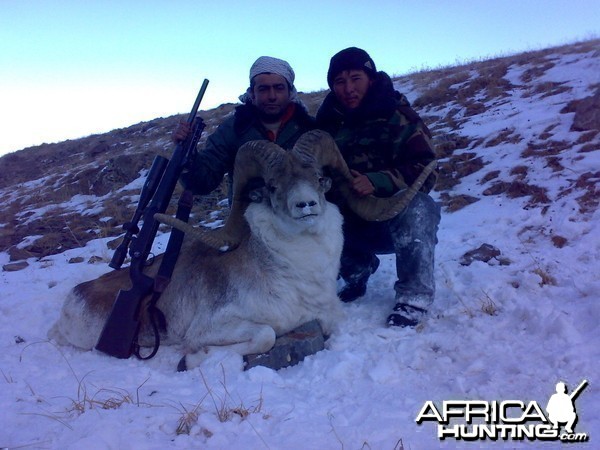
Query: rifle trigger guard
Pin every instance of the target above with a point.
(150, 260)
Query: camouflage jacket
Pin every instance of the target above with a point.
(384, 138)
(218, 155)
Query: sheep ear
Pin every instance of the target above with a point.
(325, 183)
(256, 195)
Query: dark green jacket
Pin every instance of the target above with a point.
(218, 155)
(384, 138)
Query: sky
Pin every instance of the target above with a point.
(69, 69)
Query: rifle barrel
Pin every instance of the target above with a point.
(192, 114)
(578, 389)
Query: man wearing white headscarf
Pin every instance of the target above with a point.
(274, 66)
(270, 110)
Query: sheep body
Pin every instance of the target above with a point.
(283, 274)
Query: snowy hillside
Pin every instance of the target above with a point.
(520, 153)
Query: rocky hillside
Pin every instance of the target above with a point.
(480, 114)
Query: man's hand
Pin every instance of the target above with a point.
(361, 184)
(181, 133)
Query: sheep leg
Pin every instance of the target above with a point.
(245, 338)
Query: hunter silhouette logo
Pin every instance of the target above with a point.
(561, 407)
(472, 420)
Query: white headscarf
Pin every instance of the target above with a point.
(268, 64)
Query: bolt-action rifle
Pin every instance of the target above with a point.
(119, 335)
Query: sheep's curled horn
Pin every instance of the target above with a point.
(314, 147)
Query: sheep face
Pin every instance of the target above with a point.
(296, 194)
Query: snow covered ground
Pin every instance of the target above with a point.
(508, 329)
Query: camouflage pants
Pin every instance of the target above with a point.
(412, 236)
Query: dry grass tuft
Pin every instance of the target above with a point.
(222, 403)
(488, 306)
(545, 278)
(187, 420)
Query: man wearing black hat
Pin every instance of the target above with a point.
(386, 146)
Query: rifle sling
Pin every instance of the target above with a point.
(165, 271)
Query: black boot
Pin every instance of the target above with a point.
(356, 289)
(405, 315)
(351, 292)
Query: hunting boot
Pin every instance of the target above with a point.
(356, 276)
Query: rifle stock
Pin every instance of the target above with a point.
(122, 326)
(121, 329)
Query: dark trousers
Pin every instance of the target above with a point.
(411, 236)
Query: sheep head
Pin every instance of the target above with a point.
(293, 184)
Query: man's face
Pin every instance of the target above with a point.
(271, 95)
(350, 87)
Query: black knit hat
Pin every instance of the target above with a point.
(351, 58)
